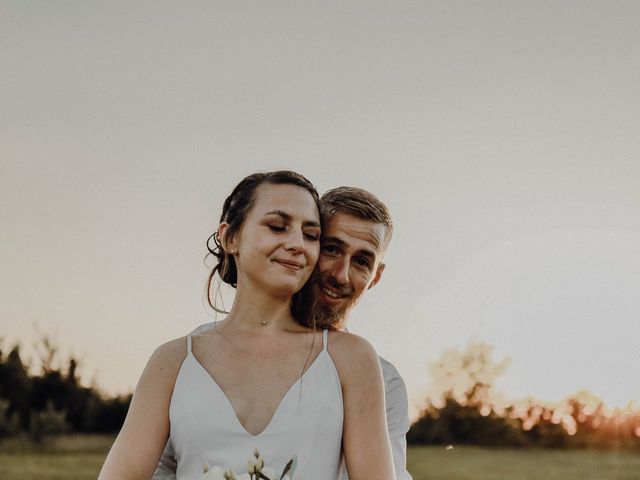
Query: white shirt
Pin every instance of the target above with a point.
(396, 400)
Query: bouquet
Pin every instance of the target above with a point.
(256, 470)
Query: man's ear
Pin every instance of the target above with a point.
(377, 276)
(227, 241)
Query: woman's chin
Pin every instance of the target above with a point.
(284, 290)
(287, 287)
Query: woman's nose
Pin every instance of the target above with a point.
(295, 241)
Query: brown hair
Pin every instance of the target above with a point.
(359, 203)
(234, 212)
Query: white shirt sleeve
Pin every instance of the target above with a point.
(166, 469)
(397, 402)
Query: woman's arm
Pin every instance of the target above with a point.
(365, 438)
(135, 453)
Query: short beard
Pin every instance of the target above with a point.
(325, 316)
(311, 312)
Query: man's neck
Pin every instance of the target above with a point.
(342, 326)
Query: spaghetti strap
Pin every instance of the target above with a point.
(188, 344)
(325, 337)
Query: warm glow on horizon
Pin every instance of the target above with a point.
(456, 371)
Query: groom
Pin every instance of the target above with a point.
(357, 229)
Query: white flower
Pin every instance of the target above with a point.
(255, 469)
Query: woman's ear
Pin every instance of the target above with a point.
(227, 241)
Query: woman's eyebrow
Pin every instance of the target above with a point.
(280, 213)
(285, 216)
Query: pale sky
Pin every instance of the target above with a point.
(504, 137)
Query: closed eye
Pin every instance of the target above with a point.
(276, 228)
(314, 237)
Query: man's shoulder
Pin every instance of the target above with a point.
(395, 389)
(389, 371)
(397, 416)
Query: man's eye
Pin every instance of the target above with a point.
(330, 249)
(276, 228)
(362, 262)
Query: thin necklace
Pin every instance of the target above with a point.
(215, 327)
(264, 322)
(306, 362)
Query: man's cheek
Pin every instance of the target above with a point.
(324, 264)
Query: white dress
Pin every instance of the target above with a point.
(307, 424)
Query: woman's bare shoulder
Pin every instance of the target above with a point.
(350, 341)
(352, 354)
(167, 358)
(172, 349)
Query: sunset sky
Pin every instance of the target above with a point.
(504, 136)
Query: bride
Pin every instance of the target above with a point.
(259, 395)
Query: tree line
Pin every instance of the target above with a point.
(52, 401)
(465, 409)
(468, 410)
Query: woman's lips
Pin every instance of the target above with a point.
(290, 264)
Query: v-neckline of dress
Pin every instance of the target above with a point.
(230, 404)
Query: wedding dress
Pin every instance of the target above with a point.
(206, 434)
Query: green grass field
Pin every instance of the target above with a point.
(476, 463)
(71, 457)
(78, 457)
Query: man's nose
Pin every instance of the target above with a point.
(340, 272)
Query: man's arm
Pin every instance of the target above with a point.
(166, 469)
(397, 406)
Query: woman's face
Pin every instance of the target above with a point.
(278, 244)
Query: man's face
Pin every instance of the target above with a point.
(350, 262)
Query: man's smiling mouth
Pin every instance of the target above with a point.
(331, 293)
